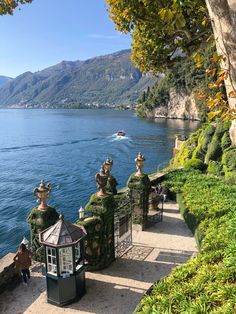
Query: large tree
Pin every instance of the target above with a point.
(8, 6)
(161, 29)
(223, 18)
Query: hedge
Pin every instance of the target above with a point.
(206, 283)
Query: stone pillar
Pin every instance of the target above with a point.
(139, 186)
(139, 192)
(99, 244)
(40, 218)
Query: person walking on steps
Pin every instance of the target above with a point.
(22, 261)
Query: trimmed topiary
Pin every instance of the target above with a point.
(215, 168)
(199, 152)
(225, 141)
(208, 133)
(194, 163)
(229, 159)
(214, 150)
(230, 177)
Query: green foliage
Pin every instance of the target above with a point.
(194, 163)
(225, 141)
(99, 205)
(99, 244)
(183, 78)
(229, 159)
(8, 6)
(214, 150)
(205, 284)
(161, 29)
(230, 177)
(210, 143)
(215, 168)
(207, 136)
(184, 154)
(40, 220)
(139, 183)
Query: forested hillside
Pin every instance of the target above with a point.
(107, 80)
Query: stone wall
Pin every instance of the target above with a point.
(9, 276)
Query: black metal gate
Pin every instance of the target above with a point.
(123, 228)
(155, 210)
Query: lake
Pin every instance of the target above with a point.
(67, 148)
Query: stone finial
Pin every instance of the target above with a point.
(101, 180)
(139, 164)
(81, 212)
(108, 163)
(25, 241)
(61, 216)
(41, 194)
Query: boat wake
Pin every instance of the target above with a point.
(29, 147)
(114, 137)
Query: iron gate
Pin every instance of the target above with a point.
(123, 228)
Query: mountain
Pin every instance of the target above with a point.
(4, 79)
(111, 79)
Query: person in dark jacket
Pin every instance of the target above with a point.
(22, 261)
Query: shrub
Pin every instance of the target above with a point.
(199, 152)
(229, 159)
(184, 154)
(215, 168)
(225, 141)
(230, 177)
(205, 284)
(194, 163)
(214, 150)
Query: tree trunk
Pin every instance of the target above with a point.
(223, 18)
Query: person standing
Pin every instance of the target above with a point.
(22, 261)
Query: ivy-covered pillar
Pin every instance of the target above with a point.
(40, 218)
(100, 244)
(139, 186)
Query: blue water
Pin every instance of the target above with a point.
(67, 148)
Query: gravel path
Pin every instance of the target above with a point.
(119, 288)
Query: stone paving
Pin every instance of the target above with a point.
(119, 288)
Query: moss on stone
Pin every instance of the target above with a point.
(99, 244)
(111, 185)
(139, 189)
(40, 220)
(139, 183)
(99, 205)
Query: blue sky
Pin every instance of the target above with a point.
(46, 32)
